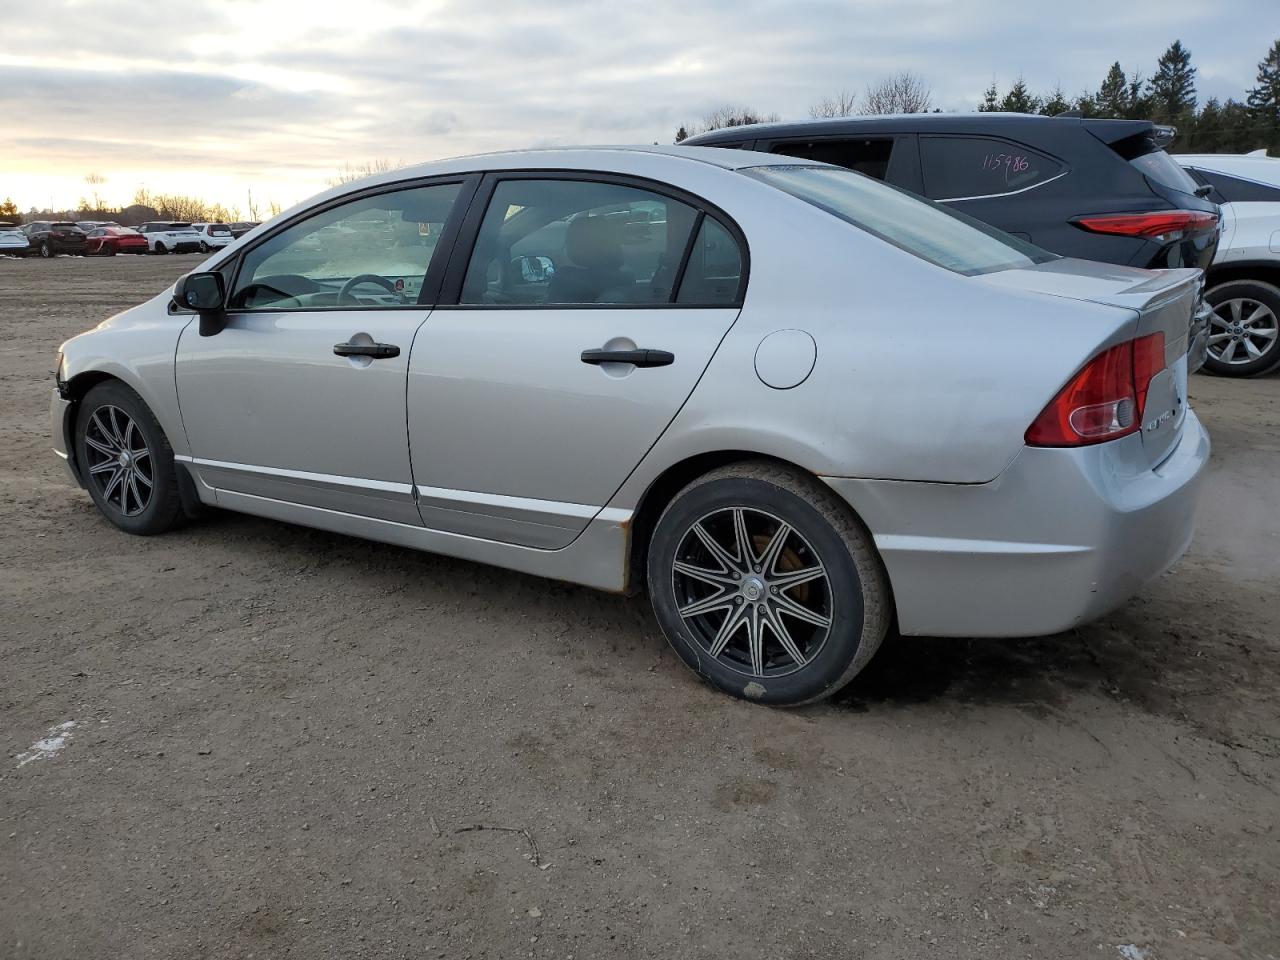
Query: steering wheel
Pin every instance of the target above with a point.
(346, 296)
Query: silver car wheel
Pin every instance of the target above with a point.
(1241, 330)
(752, 591)
(120, 462)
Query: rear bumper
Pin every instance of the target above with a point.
(1058, 539)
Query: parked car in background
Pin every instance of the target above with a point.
(167, 236)
(1095, 189)
(13, 242)
(799, 405)
(49, 238)
(89, 225)
(213, 236)
(108, 241)
(1244, 280)
(241, 227)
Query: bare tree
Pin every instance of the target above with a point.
(358, 171)
(904, 92)
(95, 180)
(723, 116)
(843, 103)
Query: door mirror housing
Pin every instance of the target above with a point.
(205, 293)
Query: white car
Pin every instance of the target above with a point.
(166, 236)
(1244, 279)
(13, 242)
(213, 236)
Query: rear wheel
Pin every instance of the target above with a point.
(126, 461)
(1244, 328)
(766, 585)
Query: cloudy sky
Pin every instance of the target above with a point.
(220, 97)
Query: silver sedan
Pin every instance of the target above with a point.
(798, 406)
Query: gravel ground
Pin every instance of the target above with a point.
(280, 737)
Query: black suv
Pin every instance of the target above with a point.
(47, 237)
(1095, 189)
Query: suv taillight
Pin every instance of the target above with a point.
(1162, 225)
(1105, 400)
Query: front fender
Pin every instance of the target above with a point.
(136, 347)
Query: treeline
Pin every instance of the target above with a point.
(1168, 96)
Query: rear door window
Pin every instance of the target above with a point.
(867, 155)
(968, 168)
(1229, 189)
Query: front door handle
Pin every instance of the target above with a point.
(639, 357)
(377, 351)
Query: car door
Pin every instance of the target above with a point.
(301, 396)
(563, 346)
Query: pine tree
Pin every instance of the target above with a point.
(1019, 99)
(681, 135)
(1113, 96)
(1173, 89)
(1137, 106)
(1264, 99)
(1055, 103)
(990, 99)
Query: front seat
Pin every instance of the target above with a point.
(594, 248)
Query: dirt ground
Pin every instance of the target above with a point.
(281, 735)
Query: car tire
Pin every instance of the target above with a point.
(1246, 313)
(45, 250)
(724, 613)
(119, 447)
(204, 247)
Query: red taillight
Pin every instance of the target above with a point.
(1160, 224)
(1105, 400)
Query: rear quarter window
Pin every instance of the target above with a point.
(960, 168)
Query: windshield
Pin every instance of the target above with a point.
(930, 231)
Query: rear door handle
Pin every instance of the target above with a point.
(378, 351)
(638, 357)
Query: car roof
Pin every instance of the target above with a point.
(995, 121)
(1251, 166)
(619, 159)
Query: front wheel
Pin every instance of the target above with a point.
(1244, 328)
(126, 461)
(161, 248)
(766, 585)
(45, 250)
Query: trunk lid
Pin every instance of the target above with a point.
(1163, 301)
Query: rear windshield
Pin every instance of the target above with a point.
(218, 229)
(1163, 169)
(928, 230)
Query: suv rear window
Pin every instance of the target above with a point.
(964, 168)
(1164, 170)
(928, 230)
(868, 156)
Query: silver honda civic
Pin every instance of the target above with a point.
(796, 405)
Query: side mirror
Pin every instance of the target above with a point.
(205, 293)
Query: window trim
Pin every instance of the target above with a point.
(924, 177)
(433, 278)
(464, 247)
